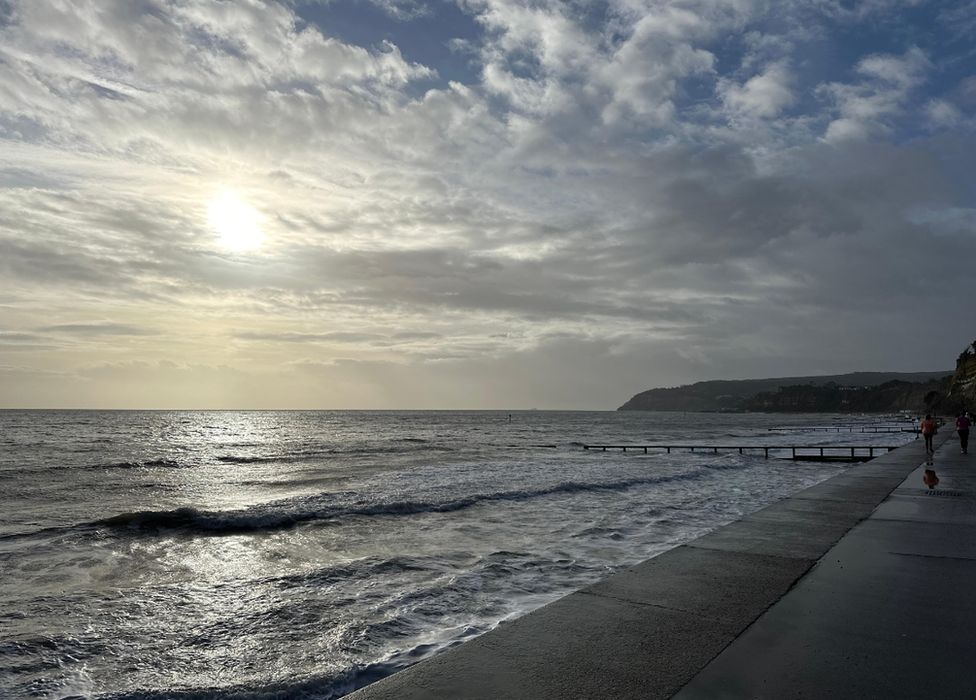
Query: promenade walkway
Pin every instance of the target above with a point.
(889, 612)
(840, 591)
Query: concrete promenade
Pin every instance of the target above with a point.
(839, 591)
(889, 612)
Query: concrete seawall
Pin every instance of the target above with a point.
(646, 631)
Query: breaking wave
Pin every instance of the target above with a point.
(282, 515)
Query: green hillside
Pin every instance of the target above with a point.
(764, 394)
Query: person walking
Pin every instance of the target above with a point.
(962, 427)
(929, 428)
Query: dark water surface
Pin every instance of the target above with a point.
(303, 554)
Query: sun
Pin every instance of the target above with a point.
(236, 222)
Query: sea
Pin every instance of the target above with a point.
(287, 554)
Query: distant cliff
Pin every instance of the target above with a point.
(918, 397)
(890, 391)
(962, 388)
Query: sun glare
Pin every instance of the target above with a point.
(236, 222)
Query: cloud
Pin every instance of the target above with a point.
(96, 328)
(404, 9)
(959, 20)
(547, 63)
(295, 337)
(116, 76)
(942, 113)
(764, 95)
(864, 10)
(640, 191)
(15, 340)
(867, 107)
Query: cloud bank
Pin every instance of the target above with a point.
(615, 196)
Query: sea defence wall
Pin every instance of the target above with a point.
(646, 631)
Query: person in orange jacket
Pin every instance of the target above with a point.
(929, 428)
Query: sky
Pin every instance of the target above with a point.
(477, 203)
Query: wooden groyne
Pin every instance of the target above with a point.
(844, 429)
(816, 453)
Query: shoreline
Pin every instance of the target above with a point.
(646, 631)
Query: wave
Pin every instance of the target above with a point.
(316, 688)
(162, 463)
(292, 483)
(149, 464)
(366, 569)
(283, 515)
(399, 445)
(607, 532)
(235, 459)
(332, 508)
(412, 444)
(321, 687)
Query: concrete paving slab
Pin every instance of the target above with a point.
(911, 453)
(804, 509)
(798, 539)
(852, 487)
(911, 538)
(732, 587)
(923, 507)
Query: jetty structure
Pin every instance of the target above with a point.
(807, 453)
(860, 586)
(844, 429)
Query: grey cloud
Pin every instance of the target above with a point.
(710, 209)
(416, 335)
(40, 263)
(22, 177)
(13, 371)
(293, 337)
(97, 328)
(373, 338)
(439, 278)
(15, 341)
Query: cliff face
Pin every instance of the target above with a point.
(962, 388)
(741, 394)
(704, 396)
(889, 397)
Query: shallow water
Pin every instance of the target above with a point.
(303, 554)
